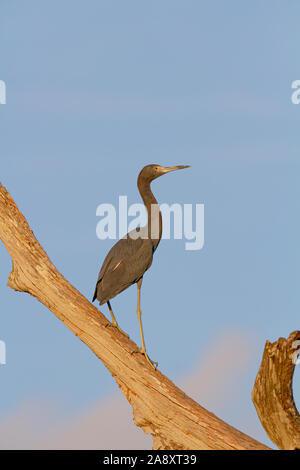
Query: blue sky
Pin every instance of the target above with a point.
(95, 91)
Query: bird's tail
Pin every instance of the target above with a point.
(95, 293)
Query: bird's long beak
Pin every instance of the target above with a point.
(166, 169)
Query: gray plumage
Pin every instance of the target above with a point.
(131, 257)
(123, 266)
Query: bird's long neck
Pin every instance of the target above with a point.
(154, 214)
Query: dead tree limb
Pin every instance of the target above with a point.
(159, 407)
(272, 393)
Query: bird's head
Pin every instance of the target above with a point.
(151, 172)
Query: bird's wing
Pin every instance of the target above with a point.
(125, 264)
(124, 249)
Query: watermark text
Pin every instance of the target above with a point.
(2, 352)
(188, 222)
(2, 92)
(295, 97)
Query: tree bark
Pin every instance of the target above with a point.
(272, 393)
(159, 407)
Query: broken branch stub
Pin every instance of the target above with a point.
(272, 393)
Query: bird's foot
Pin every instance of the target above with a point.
(143, 352)
(115, 325)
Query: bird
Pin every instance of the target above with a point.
(129, 259)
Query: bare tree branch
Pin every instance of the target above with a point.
(159, 407)
(272, 393)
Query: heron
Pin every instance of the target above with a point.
(129, 259)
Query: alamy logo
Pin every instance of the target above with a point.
(2, 92)
(296, 94)
(2, 352)
(188, 222)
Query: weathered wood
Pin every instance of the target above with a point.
(159, 407)
(272, 393)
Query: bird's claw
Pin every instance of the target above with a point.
(115, 325)
(141, 351)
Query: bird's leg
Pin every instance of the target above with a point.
(142, 350)
(112, 315)
(114, 321)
